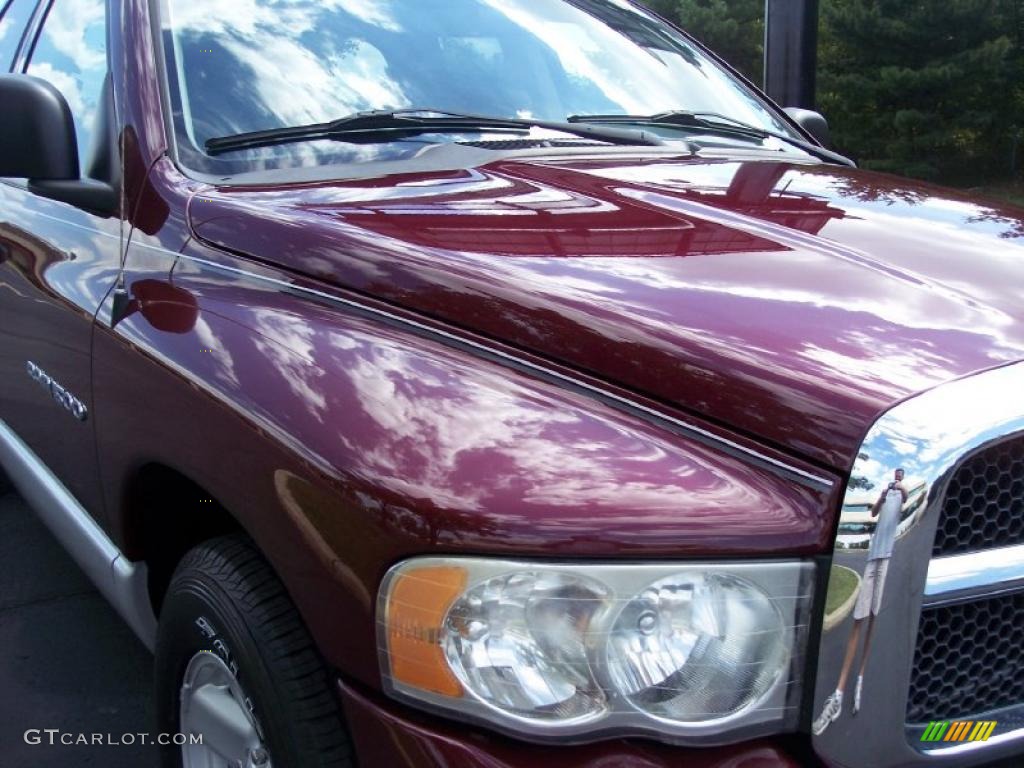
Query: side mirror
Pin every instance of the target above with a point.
(812, 122)
(38, 143)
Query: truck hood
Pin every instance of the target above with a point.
(790, 302)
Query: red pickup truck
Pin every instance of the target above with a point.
(506, 383)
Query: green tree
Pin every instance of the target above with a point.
(734, 29)
(925, 88)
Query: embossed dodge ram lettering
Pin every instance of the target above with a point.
(71, 403)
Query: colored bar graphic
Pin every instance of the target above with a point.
(959, 730)
(956, 732)
(935, 730)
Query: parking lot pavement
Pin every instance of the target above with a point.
(67, 661)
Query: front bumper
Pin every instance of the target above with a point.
(387, 734)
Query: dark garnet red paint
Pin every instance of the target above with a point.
(794, 303)
(780, 306)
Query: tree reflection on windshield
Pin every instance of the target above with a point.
(246, 65)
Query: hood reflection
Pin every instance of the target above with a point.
(794, 302)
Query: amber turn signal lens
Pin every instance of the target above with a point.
(416, 609)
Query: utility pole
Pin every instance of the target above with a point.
(791, 51)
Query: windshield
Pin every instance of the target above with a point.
(246, 65)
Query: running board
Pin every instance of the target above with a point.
(121, 581)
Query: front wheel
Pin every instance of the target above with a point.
(237, 670)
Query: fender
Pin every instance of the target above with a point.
(343, 444)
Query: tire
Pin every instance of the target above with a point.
(224, 599)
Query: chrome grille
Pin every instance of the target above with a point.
(984, 505)
(956, 566)
(969, 658)
(969, 655)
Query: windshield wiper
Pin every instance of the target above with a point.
(680, 119)
(386, 125)
(712, 121)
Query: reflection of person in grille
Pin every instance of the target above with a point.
(888, 510)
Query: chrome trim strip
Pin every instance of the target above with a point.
(802, 476)
(976, 574)
(927, 437)
(120, 581)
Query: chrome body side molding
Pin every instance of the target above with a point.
(119, 580)
(884, 576)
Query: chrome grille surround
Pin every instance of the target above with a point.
(928, 436)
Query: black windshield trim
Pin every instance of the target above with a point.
(712, 121)
(386, 125)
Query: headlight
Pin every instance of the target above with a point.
(515, 642)
(696, 652)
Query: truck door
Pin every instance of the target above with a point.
(58, 261)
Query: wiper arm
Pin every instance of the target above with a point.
(679, 118)
(384, 124)
(714, 121)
